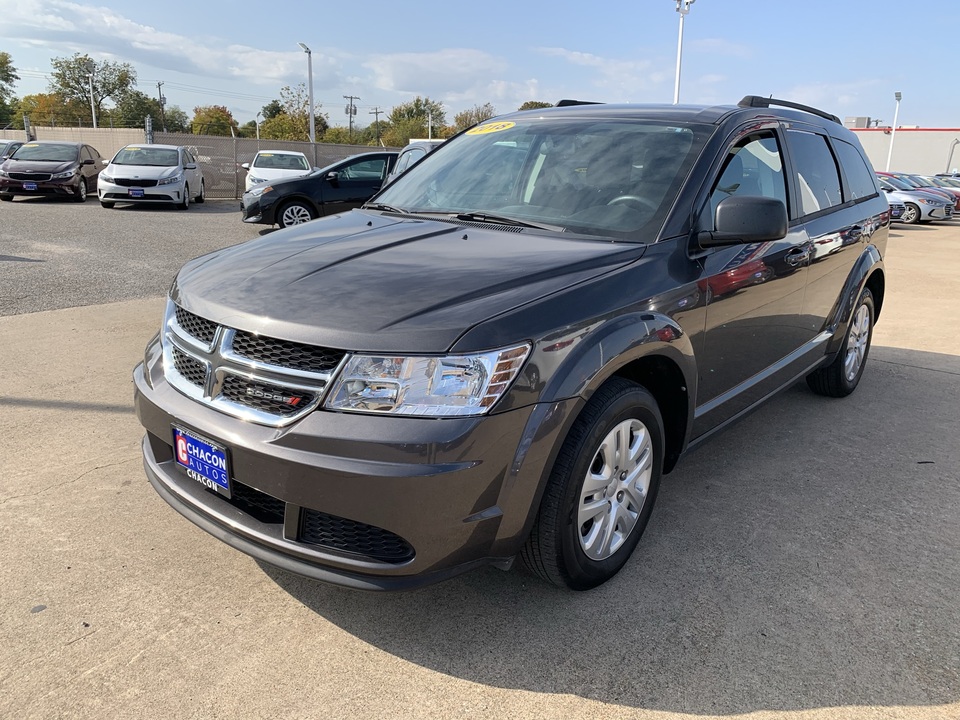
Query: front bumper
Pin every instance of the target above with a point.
(250, 209)
(108, 192)
(65, 187)
(456, 491)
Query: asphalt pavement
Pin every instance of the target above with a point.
(803, 564)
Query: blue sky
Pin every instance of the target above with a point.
(844, 56)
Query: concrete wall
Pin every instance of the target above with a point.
(921, 151)
(106, 140)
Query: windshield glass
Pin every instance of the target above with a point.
(612, 176)
(156, 157)
(895, 183)
(47, 153)
(272, 161)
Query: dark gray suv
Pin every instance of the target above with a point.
(502, 352)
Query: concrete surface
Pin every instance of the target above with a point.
(804, 564)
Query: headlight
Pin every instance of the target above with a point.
(3, 174)
(67, 174)
(935, 203)
(257, 192)
(426, 386)
(257, 180)
(106, 178)
(170, 180)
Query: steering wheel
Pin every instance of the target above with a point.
(633, 200)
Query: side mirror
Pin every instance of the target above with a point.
(88, 161)
(191, 166)
(745, 220)
(245, 166)
(332, 177)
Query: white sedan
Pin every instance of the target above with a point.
(275, 165)
(152, 174)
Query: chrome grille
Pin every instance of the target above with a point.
(193, 371)
(286, 354)
(196, 326)
(337, 533)
(266, 380)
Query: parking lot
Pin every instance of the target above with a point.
(803, 564)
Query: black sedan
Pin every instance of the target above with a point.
(63, 169)
(342, 186)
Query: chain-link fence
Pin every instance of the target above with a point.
(222, 158)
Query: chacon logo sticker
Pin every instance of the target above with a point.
(490, 128)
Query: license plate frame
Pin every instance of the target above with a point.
(202, 460)
(29, 186)
(135, 192)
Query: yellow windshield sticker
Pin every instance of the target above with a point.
(490, 128)
(266, 154)
(132, 148)
(32, 145)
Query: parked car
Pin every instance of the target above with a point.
(412, 153)
(919, 205)
(51, 168)
(8, 147)
(897, 208)
(270, 165)
(152, 174)
(341, 186)
(921, 183)
(502, 352)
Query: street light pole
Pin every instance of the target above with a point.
(93, 107)
(683, 7)
(313, 126)
(256, 121)
(893, 130)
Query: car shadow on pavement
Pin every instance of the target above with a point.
(209, 207)
(808, 557)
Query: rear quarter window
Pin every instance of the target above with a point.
(861, 180)
(817, 174)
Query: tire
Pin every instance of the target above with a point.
(184, 204)
(82, 191)
(911, 214)
(202, 197)
(841, 377)
(106, 203)
(585, 531)
(295, 212)
(6, 198)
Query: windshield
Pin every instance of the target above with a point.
(272, 161)
(154, 157)
(47, 153)
(612, 177)
(895, 183)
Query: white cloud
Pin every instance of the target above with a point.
(621, 80)
(445, 72)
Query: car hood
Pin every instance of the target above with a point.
(271, 174)
(37, 166)
(368, 282)
(142, 172)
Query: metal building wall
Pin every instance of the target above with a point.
(915, 150)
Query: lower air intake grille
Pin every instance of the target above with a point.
(259, 505)
(338, 533)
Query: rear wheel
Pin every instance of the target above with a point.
(602, 489)
(841, 377)
(185, 203)
(295, 213)
(203, 193)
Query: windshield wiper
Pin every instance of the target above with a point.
(504, 220)
(385, 208)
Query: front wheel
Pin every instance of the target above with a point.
(295, 213)
(841, 377)
(185, 203)
(107, 204)
(6, 198)
(203, 193)
(81, 191)
(602, 489)
(911, 214)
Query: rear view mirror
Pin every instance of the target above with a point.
(332, 177)
(245, 166)
(87, 161)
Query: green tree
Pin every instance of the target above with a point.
(8, 76)
(71, 79)
(271, 109)
(52, 109)
(476, 114)
(212, 120)
(132, 110)
(177, 119)
(421, 109)
(292, 122)
(534, 105)
(398, 133)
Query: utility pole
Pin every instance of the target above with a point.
(93, 108)
(162, 99)
(351, 110)
(376, 121)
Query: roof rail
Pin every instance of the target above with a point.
(762, 102)
(568, 103)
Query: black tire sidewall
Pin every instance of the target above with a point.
(582, 572)
(866, 298)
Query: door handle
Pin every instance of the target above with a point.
(797, 256)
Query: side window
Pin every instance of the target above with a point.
(753, 167)
(364, 170)
(85, 153)
(818, 177)
(188, 158)
(860, 178)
